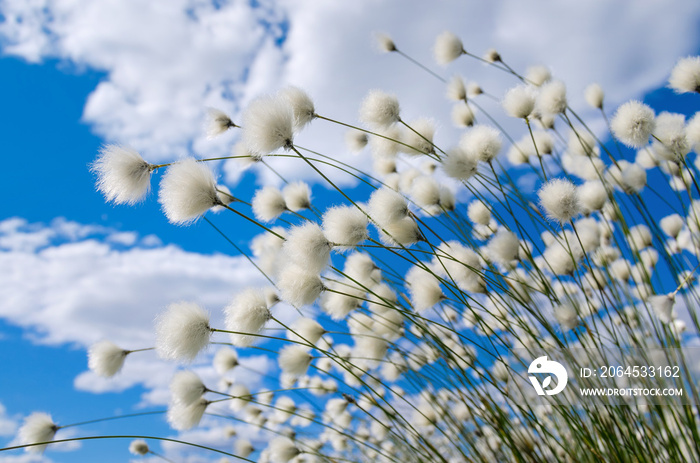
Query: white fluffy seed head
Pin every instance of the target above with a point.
(356, 140)
(106, 358)
(672, 225)
(492, 56)
(186, 388)
(538, 75)
(218, 122)
(634, 178)
(343, 299)
(519, 101)
(663, 306)
(243, 448)
(479, 213)
(594, 95)
(402, 232)
(123, 176)
(282, 449)
(268, 125)
(672, 143)
(420, 142)
(183, 417)
(633, 123)
(456, 90)
(685, 75)
(246, 315)
(562, 258)
(37, 427)
(559, 199)
(504, 247)
(297, 196)
(384, 42)
(425, 192)
(482, 142)
(692, 133)
(582, 144)
(306, 330)
(298, 286)
(187, 190)
(182, 331)
(551, 98)
(294, 360)
(474, 89)
(566, 316)
(308, 247)
(386, 206)
(345, 226)
(459, 164)
(302, 106)
(640, 236)
(361, 268)
(448, 47)
(592, 196)
(462, 115)
(379, 109)
(225, 359)
(424, 289)
(138, 447)
(268, 204)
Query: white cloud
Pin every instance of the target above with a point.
(74, 286)
(166, 61)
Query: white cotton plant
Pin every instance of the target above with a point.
(186, 388)
(225, 360)
(685, 75)
(123, 176)
(594, 95)
(482, 142)
(345, 227)
(380, 110)
(559, 198)
(302, 106)
(182, 331)
(106, 358)
(633, 123)
(246, 316)
(268, 125)
(36, 428)
(307, 246)
(382, 329)
(551, 98)
(448, 47)
(299, 286)
(139, 447)
(218, 122)
(386, 206)
(538, 75)
(419, 137)
(182, 417)
(460, 164)
(297, 196)
(187, 191)
(519, 102)
(268, 204)
(294, 359)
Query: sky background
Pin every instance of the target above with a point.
(75, 74)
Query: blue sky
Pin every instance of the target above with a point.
(110, 72)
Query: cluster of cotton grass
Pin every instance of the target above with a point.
(411, 299)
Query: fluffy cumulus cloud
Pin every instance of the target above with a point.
(72, 283)
(165, 62)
